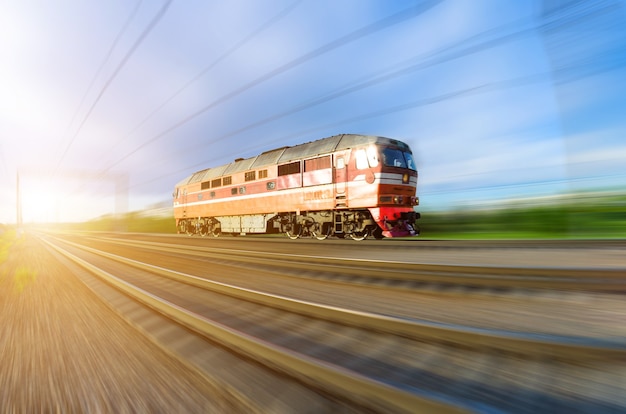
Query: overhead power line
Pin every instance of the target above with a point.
(489, 39)
(378, 25)
(461, 93)
(213, 64)
(119, 67)
(107, 56)
(206, 69)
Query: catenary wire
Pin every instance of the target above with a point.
(461, 93)
(475, 44)
(107, 56)
(266, 25)
(378, 25)
(272, 21)
(492, 38)
(117, 70)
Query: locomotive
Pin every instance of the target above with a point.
(343, 186)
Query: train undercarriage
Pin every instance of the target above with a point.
(357, 224)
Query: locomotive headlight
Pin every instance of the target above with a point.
(398, 199)
(405, 178)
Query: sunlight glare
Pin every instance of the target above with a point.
(40, 201)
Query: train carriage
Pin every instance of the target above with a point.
(345, 185)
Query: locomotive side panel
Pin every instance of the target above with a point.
(269, 201)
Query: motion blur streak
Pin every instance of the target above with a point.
(518, 103)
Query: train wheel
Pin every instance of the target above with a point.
(295, 232)
(215, 232)
(359, 235)
(322, 231)
(189, 229)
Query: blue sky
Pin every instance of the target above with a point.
(498, 99)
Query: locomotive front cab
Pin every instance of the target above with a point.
(396, 193)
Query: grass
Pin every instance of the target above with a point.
(574, 217)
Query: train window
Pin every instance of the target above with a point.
(410, 162)
(341, 163)
(361, 159)
(318, 163)
(216, 183)
(233, 190)
(262, 173)
(393, 158)
(372, 156)
(205, 185)
(212, 194)
(366, 158)
(227, 180)
(242, 190)
(291, 168)
(250, 176)
(271, 185)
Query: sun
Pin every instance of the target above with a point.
(40, 201)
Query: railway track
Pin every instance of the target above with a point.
(429, 302)
(363, 359)
(407, 274)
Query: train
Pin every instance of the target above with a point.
(345, 186)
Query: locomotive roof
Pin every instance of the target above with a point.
(287, 154)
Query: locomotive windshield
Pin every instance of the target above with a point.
(396, 158)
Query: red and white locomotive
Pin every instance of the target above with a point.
(344, 185)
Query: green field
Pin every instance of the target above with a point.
(572, 217)
(582, 216)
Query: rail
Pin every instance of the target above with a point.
(560, 353)
(333, 378)
(548, 345)
(492, 276)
